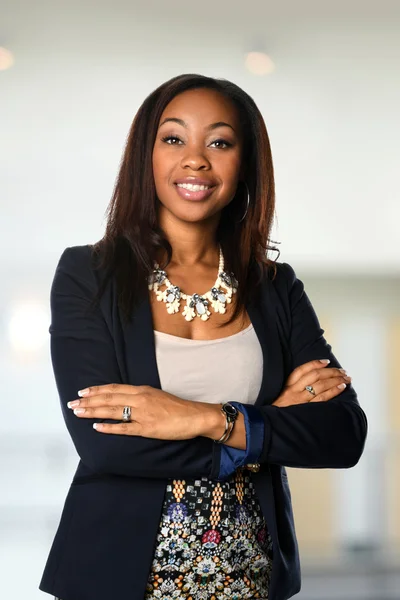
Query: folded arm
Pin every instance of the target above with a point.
(82, 354)
(327, 434)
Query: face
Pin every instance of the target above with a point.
(198, 143)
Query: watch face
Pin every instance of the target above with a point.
(230, 410)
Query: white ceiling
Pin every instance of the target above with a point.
(331, 108)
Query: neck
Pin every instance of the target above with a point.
(193, 244)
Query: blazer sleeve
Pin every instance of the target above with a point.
(233, 458)
(327, 434)
(82, 354)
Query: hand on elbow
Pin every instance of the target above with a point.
(323, 383)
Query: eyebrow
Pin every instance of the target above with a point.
(210, 127)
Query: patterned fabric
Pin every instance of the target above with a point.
(212, 542)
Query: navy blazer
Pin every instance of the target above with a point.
(104, 544)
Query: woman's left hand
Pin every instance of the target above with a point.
(154, 412)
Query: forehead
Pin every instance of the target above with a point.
(202, 106)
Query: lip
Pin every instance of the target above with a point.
(190, 195)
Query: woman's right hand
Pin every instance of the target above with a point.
(327, 384)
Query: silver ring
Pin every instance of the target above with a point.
(310, 389)
(126, 413)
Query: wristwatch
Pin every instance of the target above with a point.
(231, 413)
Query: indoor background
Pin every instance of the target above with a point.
(326, 77)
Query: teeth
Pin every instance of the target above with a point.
(192, 187)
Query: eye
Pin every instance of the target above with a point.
(221, 141)
(170, 137)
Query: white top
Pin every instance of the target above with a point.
(221, 370)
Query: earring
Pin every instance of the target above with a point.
(248, 203)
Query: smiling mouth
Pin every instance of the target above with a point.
(194, 191)
(194, 187)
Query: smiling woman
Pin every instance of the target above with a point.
(199, 188)
(197, 157)
(186, 416)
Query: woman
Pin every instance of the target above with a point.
(204, 366)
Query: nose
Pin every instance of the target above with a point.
(195, 159)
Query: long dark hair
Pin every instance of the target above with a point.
(133, 237)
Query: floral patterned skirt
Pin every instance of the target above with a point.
(212, 542)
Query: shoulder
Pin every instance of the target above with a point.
(75, 270)
(79, 261)
(75, 256)
(282, 277)
(284, 291)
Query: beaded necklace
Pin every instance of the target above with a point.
(196, 304)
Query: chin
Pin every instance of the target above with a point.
(190, 212)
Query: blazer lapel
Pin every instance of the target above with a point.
(140, 351)
(263, 318)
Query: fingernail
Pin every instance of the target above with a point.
(341, 386)
(73, 403)
(83, 392)
(79, 411)
(326, 361)
(343, 371)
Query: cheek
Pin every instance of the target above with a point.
(157, 166)
(161, 167)
(229, 167)
(231, 174)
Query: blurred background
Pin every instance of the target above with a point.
(326, 77)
